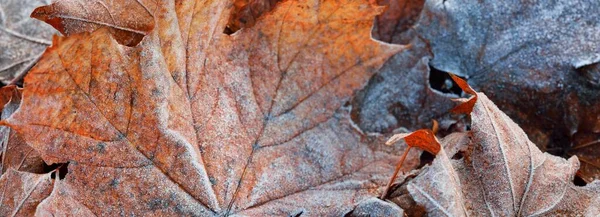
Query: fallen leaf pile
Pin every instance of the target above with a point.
(281, 108)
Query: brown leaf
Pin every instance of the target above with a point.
(59, 203)
(502, 173)
(14, 152)
(128, 20)
(21, 192)
(22, 40)
(196, 122)
(394, 24)
(537, 60)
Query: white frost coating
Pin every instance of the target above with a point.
(431, 199)
(501, 145)
(593, 58)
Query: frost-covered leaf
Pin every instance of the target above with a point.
(14, 151)
(400, 95)
(21, 192)
(192, 121)
(501, 173)
(128, 20)
(22, 40)
(538, 60)
(399, 17)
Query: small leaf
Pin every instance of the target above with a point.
(423, 139)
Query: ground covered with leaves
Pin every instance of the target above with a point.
(283, 108)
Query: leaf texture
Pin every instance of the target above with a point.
(22, 40)
(14, 151)
(21, 192)
(129, 20)
(394, 25)
(192, 121)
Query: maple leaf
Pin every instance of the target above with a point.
(500, 172)
(192, 121)
(128, 20)
(22, 40)
(524, 53)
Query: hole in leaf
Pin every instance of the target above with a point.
(441, 81)
(425, 159)
(458, 156)
(228, 30)
(578, 181)
(61, 170)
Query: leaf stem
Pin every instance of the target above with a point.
(398, 166)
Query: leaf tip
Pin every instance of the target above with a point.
(44, 13)
(467, 106)
(463, 84)
(423, 139)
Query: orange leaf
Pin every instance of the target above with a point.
(423, 139)
(465, 107)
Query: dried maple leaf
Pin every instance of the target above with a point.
(501, 173)
(539, 61)
(192, 121)
(128, 20)
(22, 40)
(21, 192)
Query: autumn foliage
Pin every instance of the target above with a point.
(266, 108)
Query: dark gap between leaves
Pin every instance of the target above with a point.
(426, 158)
(458, 156)
(578, 181)
(441, 81)
(61, 170)
(229, 30)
